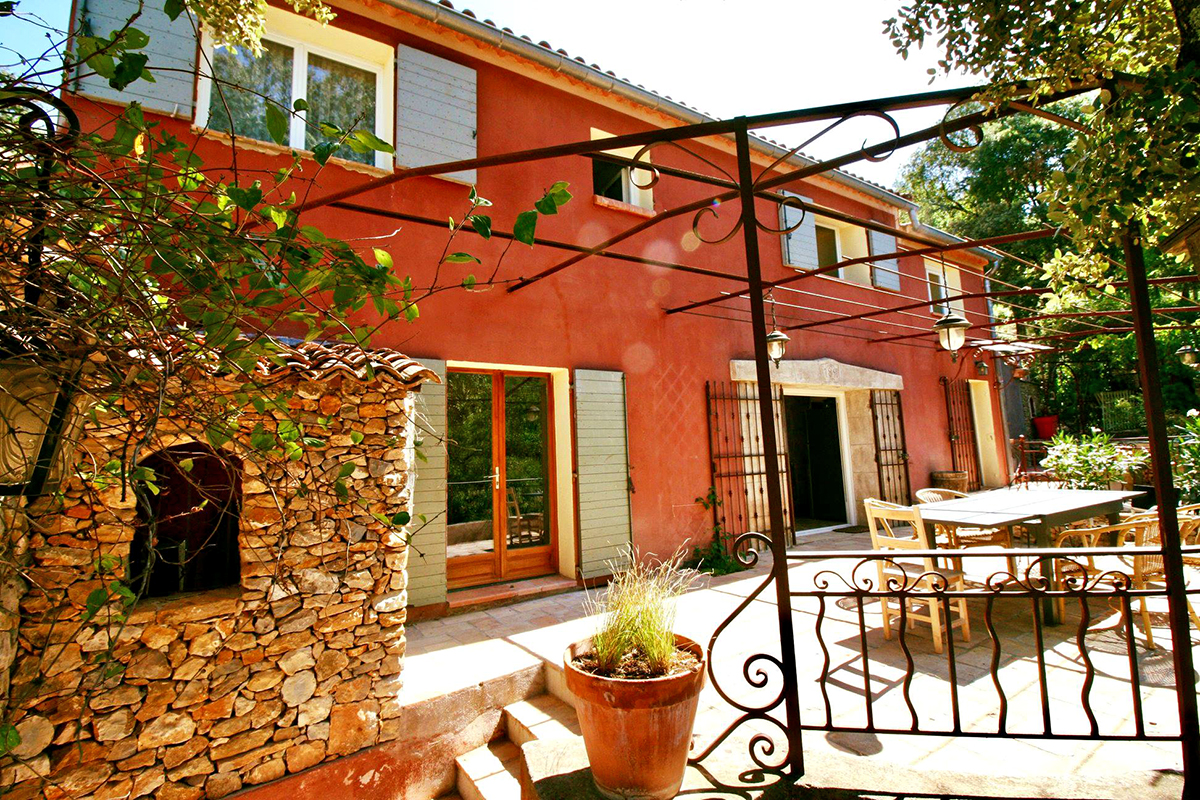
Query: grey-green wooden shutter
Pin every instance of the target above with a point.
(602, 456)
(435, 111)
(886, 273)
(799, 246)
(427, 557)
(171, 52)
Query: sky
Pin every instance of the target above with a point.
(724, 57)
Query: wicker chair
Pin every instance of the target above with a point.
(956, 538)
(1141, 570)
(896, 527)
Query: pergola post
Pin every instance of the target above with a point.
(1160, 457)
(787, 638)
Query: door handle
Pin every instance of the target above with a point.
(496, 477)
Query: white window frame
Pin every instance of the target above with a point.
(307, 36)
(950, 279)
(936, 278)
(840, 231)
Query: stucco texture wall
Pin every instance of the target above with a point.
(608, 314)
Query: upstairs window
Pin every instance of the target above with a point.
(346, 80)
(944, 281)
(841, 241)
(827, 246)
(615, 182)
(937, 291)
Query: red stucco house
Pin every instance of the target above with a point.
(576, 415)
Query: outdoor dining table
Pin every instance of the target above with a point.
(1037, 510)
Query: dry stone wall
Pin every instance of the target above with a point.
(201, 694)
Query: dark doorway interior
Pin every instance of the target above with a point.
(815, 452)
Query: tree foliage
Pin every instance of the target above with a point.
(1138, 160)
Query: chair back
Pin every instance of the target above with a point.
(937, 495)
(895, 527)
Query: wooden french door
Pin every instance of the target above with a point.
(500, 515)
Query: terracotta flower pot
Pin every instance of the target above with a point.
(637, 732)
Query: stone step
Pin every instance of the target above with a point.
(541, 717)
(491, 772)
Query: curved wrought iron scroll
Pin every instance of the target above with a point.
(758, 671)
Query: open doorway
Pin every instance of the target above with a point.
(815, 460)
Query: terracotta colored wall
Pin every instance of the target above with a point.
(607, 314)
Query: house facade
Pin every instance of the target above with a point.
(575, 415)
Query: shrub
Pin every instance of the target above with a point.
(1186, 458)
(1092, 461)
(715, 558)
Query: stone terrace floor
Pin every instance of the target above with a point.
(544, 627)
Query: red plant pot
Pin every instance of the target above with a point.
(1046, 426)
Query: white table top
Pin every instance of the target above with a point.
(1003, 507)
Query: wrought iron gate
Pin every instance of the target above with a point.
(963, 454)
(891, 451)
(739, 465)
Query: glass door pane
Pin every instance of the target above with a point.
(470, 469)
(527, 460)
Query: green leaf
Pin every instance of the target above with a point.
(340, 488)
(173, 8)
(300, 104)
(482, 224)
(245, 199)
(134, 39)
(104, 65)
(356, 437)
(468, 282)
(130, 67)
(95, 601)
(462, 258)
(371, 141)
(411, 313)
(312, 441)
(186, 464)
(323, 150)
(559, 192)
(383, 258)
(477, 200)
(9, 738)
(277, 124)
(546, 205)
(123, 591)
(401, 518)
(346, 470)
(526, 225)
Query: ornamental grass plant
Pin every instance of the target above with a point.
(635, 637)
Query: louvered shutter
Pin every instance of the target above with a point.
(799, 246)
(886, 273)
(171, 53)
(427, 556)
(435, 111)
(603, 470)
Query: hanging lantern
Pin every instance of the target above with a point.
(952, 332)
(777, 345)
(1189, 355)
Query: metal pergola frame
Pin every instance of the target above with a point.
(746, 188)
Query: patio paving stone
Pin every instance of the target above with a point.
(542, 628)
